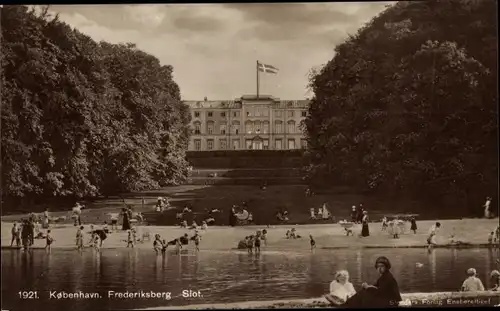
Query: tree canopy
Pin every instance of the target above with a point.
(410, 102)
(82, 118)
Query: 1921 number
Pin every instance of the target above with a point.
(28, 295)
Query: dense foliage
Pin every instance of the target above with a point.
(81, 118)
(410, 103)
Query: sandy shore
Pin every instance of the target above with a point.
(439, 299)
(474, 232)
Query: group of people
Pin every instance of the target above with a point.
(384, 293)
(160, 245)
(474, 284)
(253, 242)
(322, 213)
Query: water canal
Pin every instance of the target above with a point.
(221, 276)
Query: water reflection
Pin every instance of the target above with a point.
(224, 276)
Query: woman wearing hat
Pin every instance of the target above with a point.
(495, 277)
(383, 294)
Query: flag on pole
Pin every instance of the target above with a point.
(267, 68)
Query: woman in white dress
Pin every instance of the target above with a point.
(340, 289)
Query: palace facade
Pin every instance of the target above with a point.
(247, 123)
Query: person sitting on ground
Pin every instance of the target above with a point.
(495, 278)
(348, 231)
(204, 225)
(184, 224)
(472, 283)
(383, 294)
(250, 217)
(340, 289)
(243, 243)
(287, 234)
(194, 225)
(312, 213)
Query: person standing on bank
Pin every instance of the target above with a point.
(365, 231)
(126, 219)
(45, 221)
(383, 294)
(413, 227)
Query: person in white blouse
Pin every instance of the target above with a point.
(472, 283)
(340, 289)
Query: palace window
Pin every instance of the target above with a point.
(249, 143)
(257, 127)
(196, 114)
(304, 113)
(222, 144)
(210, 144)
(278, 127)
(265, 127)
(236, 114)
(210, 127)
(290, 113)
(197, 128)
(291, 127)
(249, 127)
(210, 114)
(223, 114)
(222, 129)
(197, 144)
(291, 144)
(278, 113)
(236, 144)
(278, 144)
(236, 127)
(266, 144)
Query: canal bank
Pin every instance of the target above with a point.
(440, 299)
(473, 233)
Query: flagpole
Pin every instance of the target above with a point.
(257, 79)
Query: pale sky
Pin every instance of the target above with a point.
(213, 48)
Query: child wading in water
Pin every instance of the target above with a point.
(48, 239)
(178, 246)
(130, 239)
(96, 241)
(413, 227)
(312, 241)
(264, 236)
(16, 235)
(257, 243)
(79, 239)
(157, 244)
(197, 239)
(250, 244)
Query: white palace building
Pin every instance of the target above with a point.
(247, 123)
